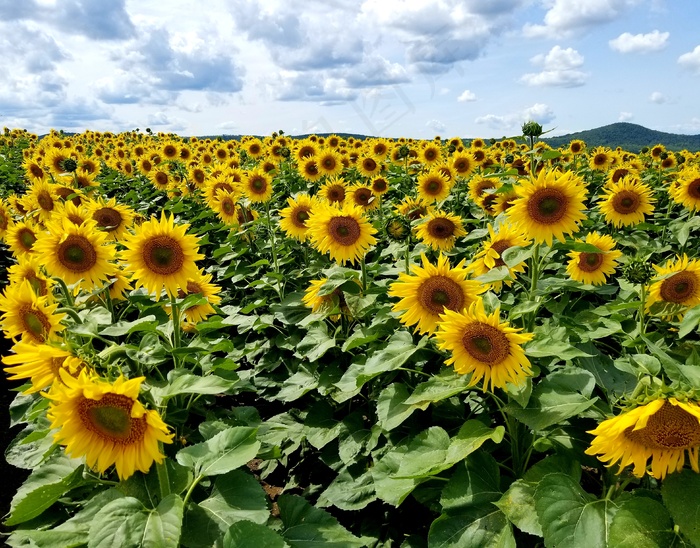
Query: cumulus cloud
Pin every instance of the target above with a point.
(565, 18)
(539, 112)
(436, 125)
(560, 68)
(625, 117)
(466, 96)
(640, 43)
(691, 60)
(657, 97)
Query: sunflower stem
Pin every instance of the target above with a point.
(108, 302)
(363, 266)
(163, 478)
(534, 279)
(177, 335)
(274, 248)
(407, 263)
(66, 292)
(188, 495)
(71, 312)
(642, 306)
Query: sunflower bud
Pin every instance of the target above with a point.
(69, 165)
(398, 228)
(638, 271)
(532, 129)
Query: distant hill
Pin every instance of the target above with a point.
(630, 137)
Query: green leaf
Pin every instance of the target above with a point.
(305, 526)
(192, 384)
(571, 517)
(45, 485)
(146, 323)
(246, 534)
(392, 409)
(360, 337)
(690, 322)
(315, 344)
(320, 428)
(480, 527)
(515, 255)
(224, 452)
(560, 395)
(301, 382)
(681, 495)
(476, 482)
(641, 522)
(439, 387)
(389, 488)
(127, 523)
(349, 491)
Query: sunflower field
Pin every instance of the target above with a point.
(331, 341)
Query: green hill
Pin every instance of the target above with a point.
(630, 137)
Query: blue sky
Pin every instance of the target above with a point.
(415, 68)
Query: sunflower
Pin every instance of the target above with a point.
(169, 151)
(663, 430)
(484, 346)
(550, 206)
(119, 285)
(76, 253)
(379, 148)
(328, 162)
(362, 196)
(28, 316)
(626, 202)
(462, 163)
(600, 159)
(380, 185)
(344, 232)
(309, 169)
(160, 178)
(679, 286)
(43, 197)
(577, 147)
(40, 363)
(593, 267)
(440, 230)
(21, 237)
(224, 205)
(200, 285)
(257, 186)
(254, 148)
(625, 169)
(161, 255)
(433, 186)
(105, 423)
(413, 209)
(491, 254)
(368, 166)
(333, 191)
(429, 154)
(34, 170)
(111, 217)
(478, 186)
(686, 190)
(228, 181)
(29, 268)
(293, 218)
(321, 302)
(430, 290)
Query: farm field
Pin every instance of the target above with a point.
(333, 341)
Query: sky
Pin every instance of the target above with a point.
(390, 68)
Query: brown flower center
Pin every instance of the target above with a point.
(363, 196)
(679, 287)
(547, 206)
(619, 174)
(107, 218)
(335, 193)
(344, 230)
(45, 201)
(368, 164)
(77, 254)
(258, 185)
(485, 343)
(110, 418)
(441, 228)
(461, 165)
(26, 238)
(163, 255)
(499, 246)
(693, 189)
(35, 322)
(440, 292)
(590, 262)
(669, 428)
(379, 185)
(300, 215)
(161, 179)
(36, 171)
(227, 206)
(433, 186)
(626, 202)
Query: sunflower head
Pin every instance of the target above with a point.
(440, 230)
(344, 233)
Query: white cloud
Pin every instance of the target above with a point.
(657, 97)
(466, 96)
(560, 68)
(640, 43)
(625, 117)
(691, 60)
(436, 125)
(539, 112)
(567, 17)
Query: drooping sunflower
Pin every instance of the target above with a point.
(626, 202)
(111, 217)
(333, 191)
(40, 363)
(478, 185)
(550, 206)
(76, 253)
(344, 232)
(320, 301)
(200, 285)
(293, 217)
(430, 290)
(484, 346)
(28, 316)
(491, 254)
(161, 255)
(257, 185)
(29, 268)
(593, 267)
(663, 430)
(413, 208)
(105, 423)
(440, 230)
(21, 237)
(686, 190)
(678, 288)
(433, 186)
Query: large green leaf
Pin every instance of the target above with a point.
(301, 382)
(569, 516)
(192, 384)
(439, 387)
(476, 482)
(477, 527)
(681, 495)
(305, 526)
(246, 534)
(224, 452)
(315, 344)
(349, 491)
(391, 407)
(146, 323)
(641, 522)
(45, 486)
(127, 523)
